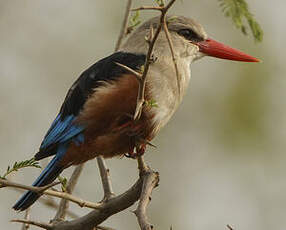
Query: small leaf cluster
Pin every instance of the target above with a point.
(160, 3)
(64, 182)
(19, 165)
(238, 11)
(152, 103)
(133, 22)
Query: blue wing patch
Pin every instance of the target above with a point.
(61, 131)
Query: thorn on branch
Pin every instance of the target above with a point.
(136, 74)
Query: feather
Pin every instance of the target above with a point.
(48, 175)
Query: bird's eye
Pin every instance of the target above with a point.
(189, 35)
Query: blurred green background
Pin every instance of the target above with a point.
(222, 156)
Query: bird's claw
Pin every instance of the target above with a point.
(140, 150)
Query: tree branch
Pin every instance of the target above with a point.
(167, 33)
(150, 181)
(6, 183)
(109, 208)
(63, 206)
(41, 190)
(124, 26)
(148, 8)
(26, 226)
(49, 202)
(35, 223)
(105, 179)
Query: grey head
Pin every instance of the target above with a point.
(189, 39)
(190, 43)
(185, 32)
(183, 26)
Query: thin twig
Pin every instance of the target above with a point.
(142, 167)
(124, 26)
(105, 178)
(35, 223)
(64, 195)
(167, 33)
(82, 203)
(63, 206)
(136, 74)
(43, 189)
(49, 202)
(148, 8)
(26, 226)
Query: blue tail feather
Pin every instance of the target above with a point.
(48, 175)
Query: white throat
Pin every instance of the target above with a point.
(162, 80)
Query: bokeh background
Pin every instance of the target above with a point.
(221, 158)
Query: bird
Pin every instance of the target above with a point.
(96, 117)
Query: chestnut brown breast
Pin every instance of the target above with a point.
(108, 118)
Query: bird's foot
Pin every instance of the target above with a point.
(140, 150)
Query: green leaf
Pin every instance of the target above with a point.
(238, 11)
(141, 69)
(171, 19)
(23, 164)
(160, 2)
(133, 22)
(152, 103)
(64, 182)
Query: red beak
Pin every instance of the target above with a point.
(215, 49)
